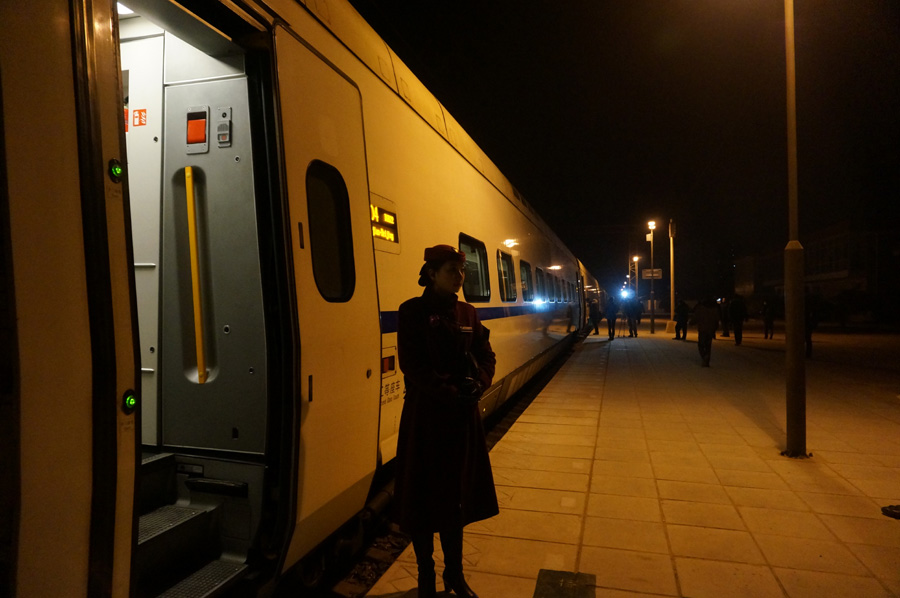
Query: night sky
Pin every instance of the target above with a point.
(625, 111)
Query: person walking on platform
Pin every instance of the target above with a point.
(706, 317)
(723, 316)
(768, 315)
(811, 319)
(737, 313)
(611, 311)
(443, 479)
(594, 313)
(682, 315)
(632, 310)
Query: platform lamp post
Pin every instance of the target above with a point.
(795, 367)
(637, 294)
(652, 226)
(671, 273)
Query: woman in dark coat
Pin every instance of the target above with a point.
(444, 478)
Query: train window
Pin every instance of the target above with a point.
(552, 288)
(330, 239)
(541, 285)
(557, 285)
(527, 283)
(507, 276)
(477, 286)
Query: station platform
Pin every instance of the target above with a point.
(637, 472)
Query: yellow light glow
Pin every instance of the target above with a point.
(555, 268)
(652, 225)
(635, 258)
(510, 243)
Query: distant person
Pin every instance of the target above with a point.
(612, 309)
(737, 313)
(594, 314)
(706, 317)
(443, 473)
(723, 316)
(768, 315)
(811, 319)
(682, 315)
(632, 310)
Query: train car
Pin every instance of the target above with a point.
(210, 214)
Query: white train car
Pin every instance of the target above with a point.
(198, 315)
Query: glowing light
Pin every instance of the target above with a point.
(510, 243)
(554, 268)
(635, 258)
(652, 225)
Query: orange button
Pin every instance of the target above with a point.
(196, 131)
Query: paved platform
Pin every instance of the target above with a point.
(658, 477)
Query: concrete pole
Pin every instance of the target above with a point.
(795, 320)
(671, 270)
(637, 293)
(652, 294)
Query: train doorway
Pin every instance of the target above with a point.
(206, 311)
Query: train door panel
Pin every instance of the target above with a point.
(213, 359)
(142, 65)
(340, 340)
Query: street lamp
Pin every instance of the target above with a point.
(636, 277)
(652, 226)
(795, 368)
(671, 273)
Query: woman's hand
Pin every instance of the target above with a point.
(470, 390)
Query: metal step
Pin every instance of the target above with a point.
(157, 485)
(173, 541)
(163, 519)
(212, 580)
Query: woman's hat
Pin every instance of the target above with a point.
(438, 255)
(443, 253)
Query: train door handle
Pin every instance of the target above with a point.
(195, 273)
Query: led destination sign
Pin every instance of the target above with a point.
(384, 224)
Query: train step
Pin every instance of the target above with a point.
(157, 481)
(173, 541)
(213, 579)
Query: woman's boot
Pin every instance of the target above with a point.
(423, 546)
(454, 581)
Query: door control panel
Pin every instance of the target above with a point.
(223, 127)
(198, 130)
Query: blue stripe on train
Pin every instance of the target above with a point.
(389, 318)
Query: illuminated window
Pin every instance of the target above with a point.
(527, 282)
(477, 286)
(507, 277)
(330, 239)
(541, 283)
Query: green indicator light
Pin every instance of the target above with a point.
(116, 170)
(129, 402)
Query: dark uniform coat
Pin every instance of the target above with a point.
(443, 471)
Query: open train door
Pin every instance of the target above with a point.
(334, 269)
(71, 380)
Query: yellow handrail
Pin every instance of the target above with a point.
(195, 273)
